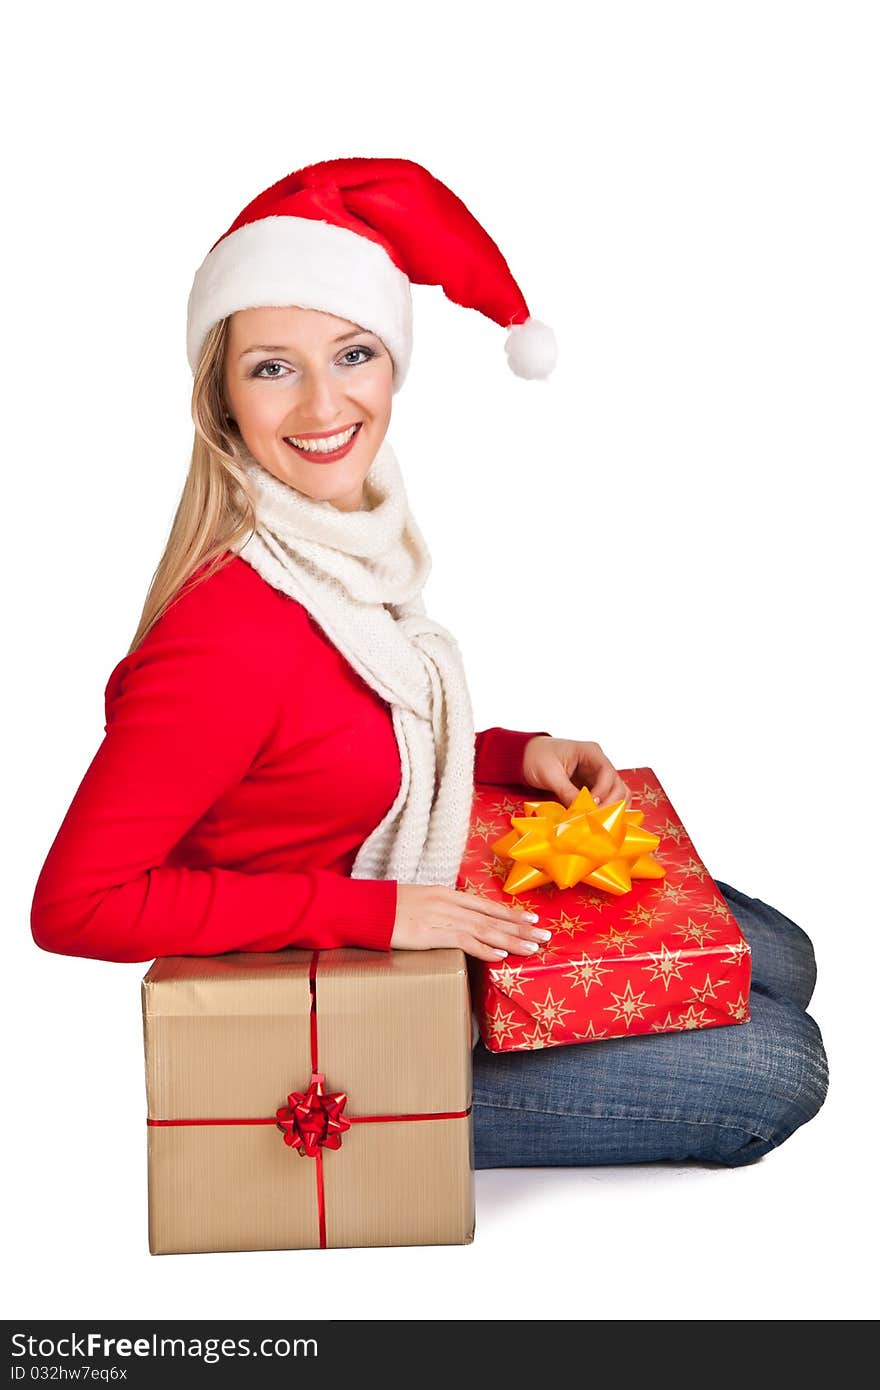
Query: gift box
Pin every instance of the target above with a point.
(307, 1099)
(662, 955)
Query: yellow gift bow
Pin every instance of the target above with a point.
(582, 843)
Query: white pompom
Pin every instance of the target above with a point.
(531, 349)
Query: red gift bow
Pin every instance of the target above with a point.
(312, 1118)
(296, 1095)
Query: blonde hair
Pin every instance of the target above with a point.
(215, 511)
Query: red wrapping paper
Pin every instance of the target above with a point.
(665, 956)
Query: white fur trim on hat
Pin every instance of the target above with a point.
(313, 265)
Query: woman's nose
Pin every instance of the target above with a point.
(318, 399)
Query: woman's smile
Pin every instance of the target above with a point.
(319, 448)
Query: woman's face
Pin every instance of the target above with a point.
(300, 373)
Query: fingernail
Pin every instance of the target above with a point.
(531, 945)
(541, 935)
(499, 952)
(532, 916)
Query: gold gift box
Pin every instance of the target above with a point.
(228, 1038)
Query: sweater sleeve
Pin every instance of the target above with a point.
(498, 755)
(187, 715)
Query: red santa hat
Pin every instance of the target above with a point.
(350, 237)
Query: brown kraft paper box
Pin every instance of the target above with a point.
(230, 1037)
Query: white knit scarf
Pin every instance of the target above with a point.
(360, 575)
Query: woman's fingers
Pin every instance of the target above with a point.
(603, 785)
(495, 944)
(619, 792)
(503, 936)
(506, 938)
(495, 925)
(473, 947)
(607, 785)
(473, 902)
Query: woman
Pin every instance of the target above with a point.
(290, 753)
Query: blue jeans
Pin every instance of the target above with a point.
(723, 1095)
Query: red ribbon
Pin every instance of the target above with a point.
(312, 1120)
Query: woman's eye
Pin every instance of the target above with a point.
(259, 370)
(358, 349)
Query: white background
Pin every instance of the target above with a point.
(688, 194)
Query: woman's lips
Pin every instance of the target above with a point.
(312, 456)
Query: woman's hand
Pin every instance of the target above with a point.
(563, 765)
(429, 916)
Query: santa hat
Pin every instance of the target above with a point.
(350, 237)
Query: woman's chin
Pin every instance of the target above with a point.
(345, 499)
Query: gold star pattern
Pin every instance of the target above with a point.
(587, 900)
(703, 992)
(469, 885)
(738, 949)
(719, 908)
(667, 1026)
(549, 894)
(587, 971)
(619, 939)
(555, 948)
(694, 869)
(551, 1012)
(501, 1025)
(642, 915)
(739, 1009)
(627, 1006)
(598, 902)
(540, 1036)
(483, 828)
(590, 1036)
(698, 932)
(672, 830)
(566, 925)
(494, 868)
(674, 892)
(652, 795)
(508, 979)
(694, 1018)
(667, 964)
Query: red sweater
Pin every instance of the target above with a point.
(243, 764)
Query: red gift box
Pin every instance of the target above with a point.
(665, 956)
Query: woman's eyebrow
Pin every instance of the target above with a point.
(280, 347)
